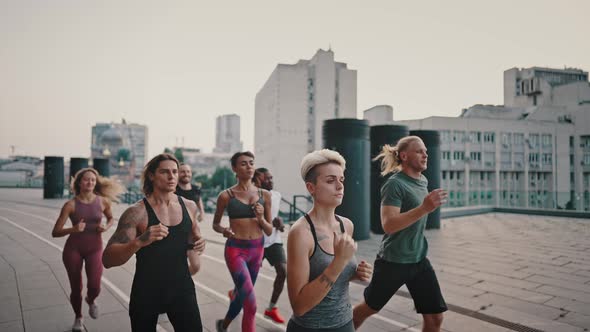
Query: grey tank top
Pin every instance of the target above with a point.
(335, 309)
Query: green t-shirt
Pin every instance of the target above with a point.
(408, 245)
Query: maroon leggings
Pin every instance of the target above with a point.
(85, 248)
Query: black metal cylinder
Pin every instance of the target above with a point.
(350, 137)
(381, 135)
(77, 164)
(431, 140)
(102, 166)
(53, 177)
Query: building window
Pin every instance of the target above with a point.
(446, 155)
(458, 155)
(445, 136)
(444, 175)
(475, 137)
(475, 156)
(506, 140)
(489, 159)
(518, 139)
(547, 158)
(458, 136)
(533, 140)
(546, 140)
(489, 137)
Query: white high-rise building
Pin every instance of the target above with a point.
(379, 115)
(533, 152)
(227, 134)
(290, 110)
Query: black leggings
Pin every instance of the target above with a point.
(183, 314)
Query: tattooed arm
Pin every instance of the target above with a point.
(303, 293)
(124, 242)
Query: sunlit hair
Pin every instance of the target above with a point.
(390, 160)
(237, 155)
(105, 187)
(316, 158)
(150, 168)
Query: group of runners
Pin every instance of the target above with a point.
(162, 231)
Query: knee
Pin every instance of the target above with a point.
(281, 272)
(250, 304)
(433, 321)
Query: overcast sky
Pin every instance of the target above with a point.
(175, 65)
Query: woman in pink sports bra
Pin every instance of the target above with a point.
(93, 197)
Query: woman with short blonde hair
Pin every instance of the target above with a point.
(321, 250)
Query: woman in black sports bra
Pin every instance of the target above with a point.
(248, 208)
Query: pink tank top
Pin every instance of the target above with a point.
(90, 212)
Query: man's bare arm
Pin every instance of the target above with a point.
(124, 242)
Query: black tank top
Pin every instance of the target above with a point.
(161, 268)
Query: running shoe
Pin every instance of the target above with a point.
(274, 315)
(92, 309)
(78, 326)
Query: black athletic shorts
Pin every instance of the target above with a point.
(419, 278)
(275, 254)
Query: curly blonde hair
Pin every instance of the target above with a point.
(105, 187)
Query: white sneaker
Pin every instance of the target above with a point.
(78, 325)
(92, 310)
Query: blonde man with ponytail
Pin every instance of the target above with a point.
(405, 205)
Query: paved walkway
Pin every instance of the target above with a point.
(496, 271)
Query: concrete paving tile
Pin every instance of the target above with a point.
(53, 318)
(569, 305)
(575, 319)
(533, 321)
(10, 309)
(38, 280)
(113, 322)
(8, 291)
(459, 323)
(566, 293)
(555, 275)
(560, 283)
(512, 282)
(12, 326)
(501, 270)
(454, 270)
(40, 298)
(585, 273)
(461, 290)
(513, 292)
(522, 306)
(29, 266)
(448, 277)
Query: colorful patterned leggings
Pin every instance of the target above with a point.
(243, 259)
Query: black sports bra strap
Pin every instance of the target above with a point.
(341, 224)
(315, 238)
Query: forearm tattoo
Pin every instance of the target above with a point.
(128, 220)
(326, 281)
(145, 236)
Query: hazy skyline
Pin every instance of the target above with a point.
(175, 66)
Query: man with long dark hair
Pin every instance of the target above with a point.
(161, 230)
